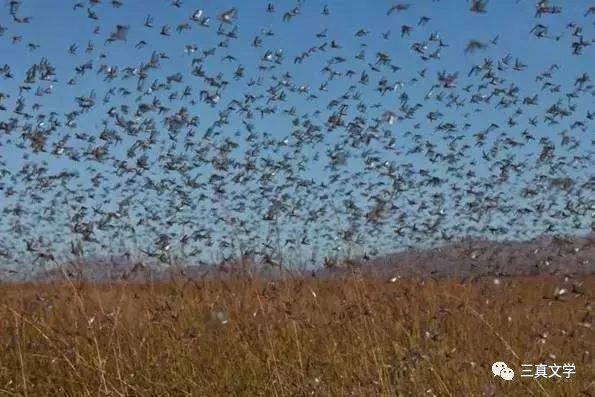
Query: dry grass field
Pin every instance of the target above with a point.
(322, 337)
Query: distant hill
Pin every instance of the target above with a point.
(476, 258)
(464, 259)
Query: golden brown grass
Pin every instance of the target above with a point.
(357, 337)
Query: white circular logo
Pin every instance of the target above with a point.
(500, 369)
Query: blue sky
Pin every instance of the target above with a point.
(55, 26)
